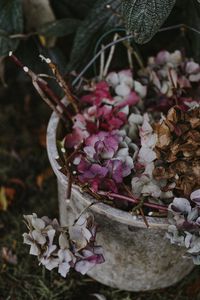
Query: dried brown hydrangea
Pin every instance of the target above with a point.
(178, 150)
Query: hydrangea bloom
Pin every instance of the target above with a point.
(170, 74)
(119, 104)
(75, 247)
(105, 112)
(185, 224)
(105, 162)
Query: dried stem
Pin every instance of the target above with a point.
(22, 36)
(133, 200)
(54, 97)
(68, 160)
(134, 53)
(112, 50)
(130, 60)
(102, 61)
(140, 209)
(44, 91)
(61, 82)
(76, 80)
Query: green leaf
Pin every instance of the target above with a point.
(99, 20)
(75, 8)
(59, 28)
(192, 18)
(11, 22)
(144, 17)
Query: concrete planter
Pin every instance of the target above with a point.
(137, 258)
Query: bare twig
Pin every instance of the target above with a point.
(61, 81)
(68, 160)
(140, 209)
(44, 91)
(102, 62)
(22, 36)
(112, 50)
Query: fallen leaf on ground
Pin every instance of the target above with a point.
(6, 197)
(42, 136)
(43, 176)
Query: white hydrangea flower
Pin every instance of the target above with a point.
(75, 246)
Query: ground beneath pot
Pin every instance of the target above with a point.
(28, 185)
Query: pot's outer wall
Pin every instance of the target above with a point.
(136, 258)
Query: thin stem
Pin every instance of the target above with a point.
(130, 60)
(110, 56)
(61, 81)
(68, 160)
(54, 97)
(133, 200)
(140, 209)
(97, 55)
(43, 90)
(178, 26)
(22, 36)
(131, 50)
(102, 62)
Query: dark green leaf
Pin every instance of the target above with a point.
(144, 17)
(11, 22)
(75, 8)
(99, 20)
(192, 18)
(60, 27)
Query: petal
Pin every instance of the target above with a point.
(122, 90)
(180, 205)
(27, 239)
(63, 269)
(76, 235)
(195, 197)
(146, 155)
(140, 89)
(50, 263)
(51, 234)
(191, 67)
(34, 250)
(38, 223)
(112, 79)
(38, 237)
(83, 266)
(63, 241)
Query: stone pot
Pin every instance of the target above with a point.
(136, 258)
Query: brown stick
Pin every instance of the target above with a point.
(61, 81)
(42, 88)
(141, 210)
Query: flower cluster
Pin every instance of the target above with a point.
(107, 152)
(105, 160)
(184, 216)
(123, 132)
(171, 77)
(143, 182)
(63, 248)
(104, 111)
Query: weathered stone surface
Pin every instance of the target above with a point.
(137, 258)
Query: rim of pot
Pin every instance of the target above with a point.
(101, 208)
